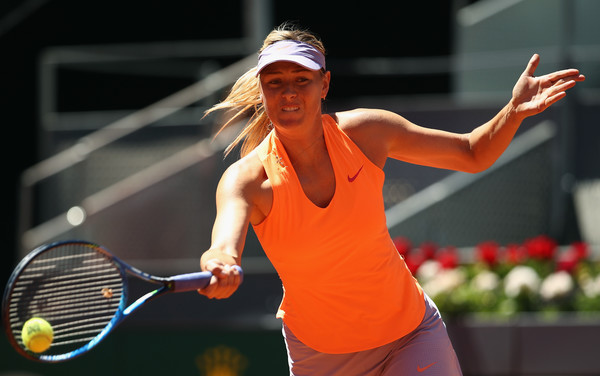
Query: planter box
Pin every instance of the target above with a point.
(528, 344)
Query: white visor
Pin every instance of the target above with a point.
(293, 51)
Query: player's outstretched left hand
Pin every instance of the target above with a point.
(532, 95)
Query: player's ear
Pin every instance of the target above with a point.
(326, 80)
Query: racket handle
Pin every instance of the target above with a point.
(195, 281)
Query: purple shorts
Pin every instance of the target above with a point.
(426, 351)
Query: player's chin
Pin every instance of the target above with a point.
(287, 118)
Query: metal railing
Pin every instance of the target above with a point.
(112, 132)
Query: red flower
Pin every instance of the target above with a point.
(515, 254)
(414, 260)
(581, 249)
(428, 249)
(447, 257)
(568, 260)
(541, 247)
(403, 245)
(487, 252)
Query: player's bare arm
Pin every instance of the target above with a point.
(241, 199)
(381, 134)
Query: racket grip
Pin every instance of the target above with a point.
(195, 281)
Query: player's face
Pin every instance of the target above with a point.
(291, 94)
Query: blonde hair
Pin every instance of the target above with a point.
(244, 97)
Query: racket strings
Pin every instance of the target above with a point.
(75, 288)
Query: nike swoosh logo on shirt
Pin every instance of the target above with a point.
(421, 369)
(351, 179)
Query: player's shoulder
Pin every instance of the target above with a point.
(246, 173)
(363, 118)
(372, 130)
(247, 180)
(249, 167)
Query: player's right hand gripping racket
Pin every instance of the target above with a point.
(81, 289)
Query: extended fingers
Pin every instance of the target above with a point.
(532, 65)
(557, 91)
(561, 85)
(564, 83)
(550, 100)
(565, 75)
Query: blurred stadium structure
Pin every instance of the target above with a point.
(155, 168)
(142, 181)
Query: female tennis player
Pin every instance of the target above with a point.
(310, 184)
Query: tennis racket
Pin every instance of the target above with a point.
(81, 289)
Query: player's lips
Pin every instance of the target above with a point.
(290, 108)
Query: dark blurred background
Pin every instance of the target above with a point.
(90, 155)
(31, 29)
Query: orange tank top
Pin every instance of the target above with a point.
(346, 288)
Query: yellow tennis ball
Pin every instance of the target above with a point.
(37, 334)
